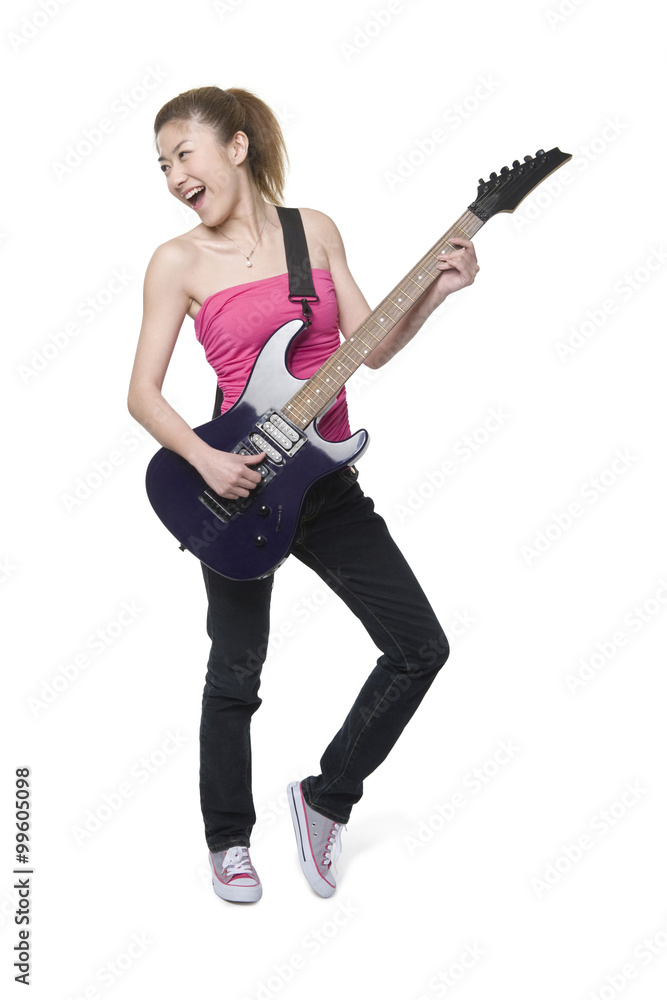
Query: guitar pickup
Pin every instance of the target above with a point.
(277, 433)
(262, 444)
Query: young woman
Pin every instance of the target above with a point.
(222, 153)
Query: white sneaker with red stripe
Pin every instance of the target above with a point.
(317, 841)
(234, 877)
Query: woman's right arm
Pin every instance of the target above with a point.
(164, 308)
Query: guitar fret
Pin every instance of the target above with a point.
(294, 405)
(380, 309)
(371, 334)
(368, 347)
(300, 419)
(330, 376)
(379, 325)
(351, 370)
(358, 352)
(325, 385)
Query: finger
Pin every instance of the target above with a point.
(253, 459)
(462, 241)
(464, 244)
(463, 254)
(460, 263)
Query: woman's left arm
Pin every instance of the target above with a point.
(458, 269)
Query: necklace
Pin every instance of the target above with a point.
(247, 255)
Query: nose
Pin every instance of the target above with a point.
(178, 189)
(178, 180)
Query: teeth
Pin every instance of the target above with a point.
(193, 192)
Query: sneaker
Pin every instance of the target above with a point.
(317, 841)
(234, 877)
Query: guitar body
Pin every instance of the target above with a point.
(250, 543)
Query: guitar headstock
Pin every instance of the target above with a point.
(504, 191)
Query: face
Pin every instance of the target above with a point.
(191, 159)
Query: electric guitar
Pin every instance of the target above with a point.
(248, 538)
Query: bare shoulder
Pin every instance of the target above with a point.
(172, 255)
(169, 269)
(166, 285)
(321, 226)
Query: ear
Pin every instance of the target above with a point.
(238, 147)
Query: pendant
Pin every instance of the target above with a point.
(248, 263)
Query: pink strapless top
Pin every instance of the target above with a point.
(234, 324)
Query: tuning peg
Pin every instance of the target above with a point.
(504, 170)
(481, 181)
(493, 176)
(540, 152)
(527, 159)
(516, 164)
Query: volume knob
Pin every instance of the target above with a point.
(259, 541)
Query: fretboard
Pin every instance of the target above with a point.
(315, 395)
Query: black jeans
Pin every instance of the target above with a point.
(346, 542)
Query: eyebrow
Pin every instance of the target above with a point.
(175, 149)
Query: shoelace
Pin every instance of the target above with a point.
(237, 862)
(333, 844)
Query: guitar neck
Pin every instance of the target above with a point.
(314, 396)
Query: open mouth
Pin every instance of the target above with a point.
(197, 197)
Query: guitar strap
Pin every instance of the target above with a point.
(301, 286)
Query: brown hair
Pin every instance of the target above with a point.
(227, 112)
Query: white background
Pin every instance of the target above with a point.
(359, 89)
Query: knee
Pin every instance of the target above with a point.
(235, 678)
(433, 655)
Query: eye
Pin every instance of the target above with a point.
(182, 152)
